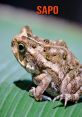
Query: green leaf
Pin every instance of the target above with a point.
(15, 81)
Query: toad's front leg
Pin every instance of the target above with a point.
(43, 81)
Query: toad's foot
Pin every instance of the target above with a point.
(67, 97)
(46, 98)
(32, 93)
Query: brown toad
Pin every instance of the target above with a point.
(53, 67)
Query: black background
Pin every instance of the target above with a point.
(68, 9)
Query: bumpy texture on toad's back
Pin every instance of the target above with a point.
(53, 67)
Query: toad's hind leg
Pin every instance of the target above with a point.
(70, 97)
(70, 91)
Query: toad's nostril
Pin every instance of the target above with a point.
(12, 44)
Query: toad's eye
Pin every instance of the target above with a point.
(21, 48)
